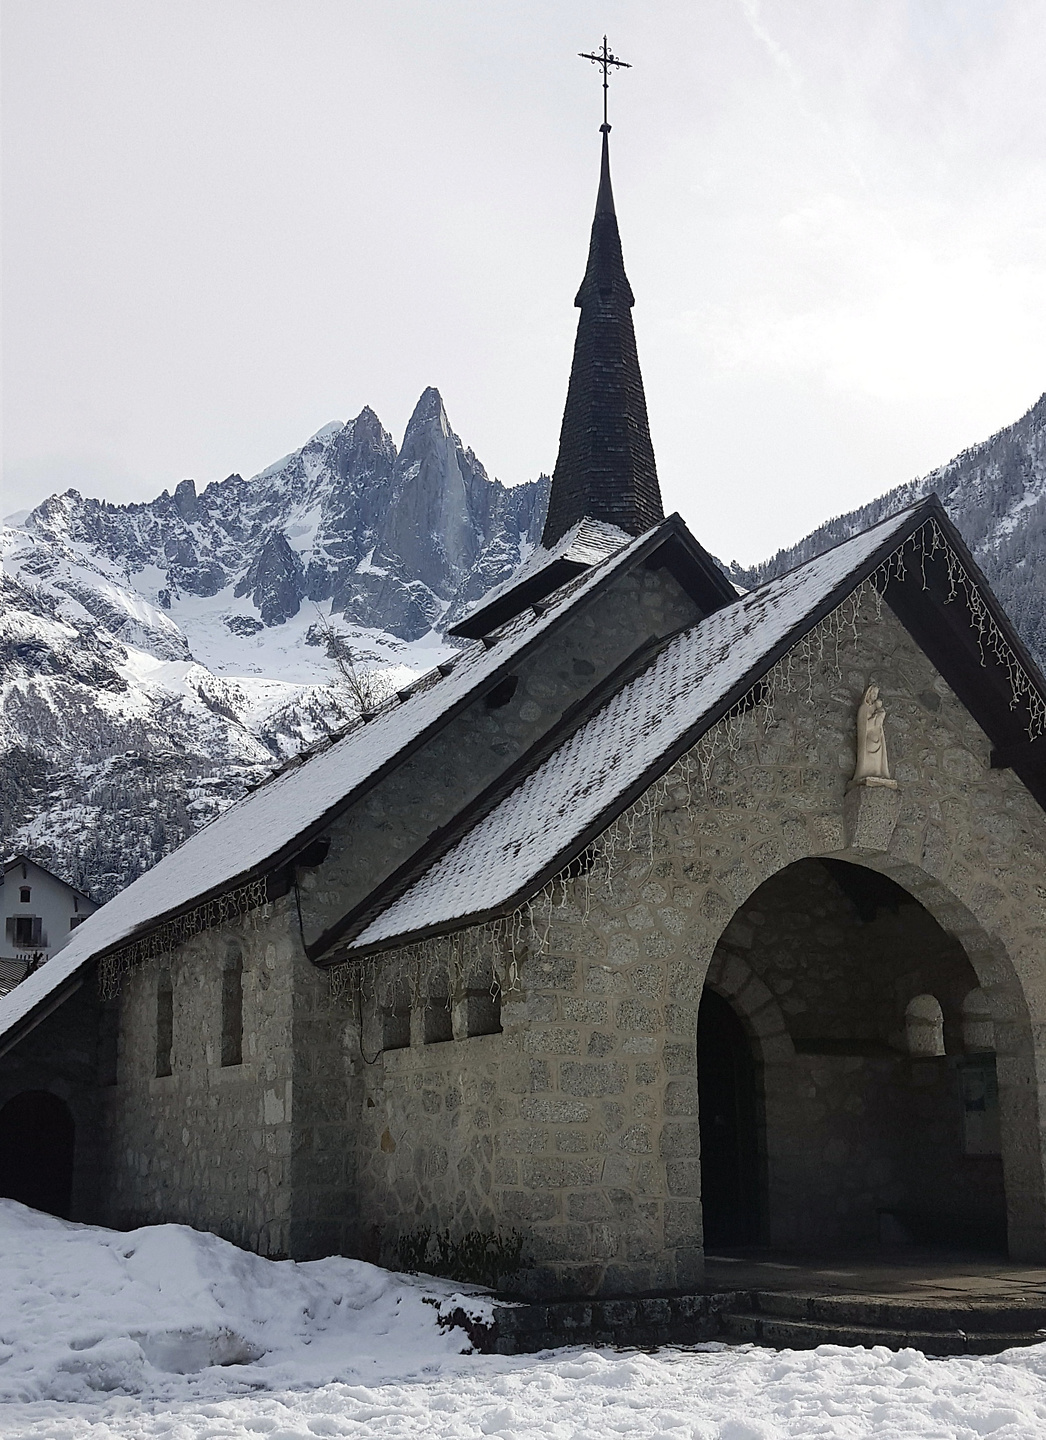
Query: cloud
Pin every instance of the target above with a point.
(780, 56)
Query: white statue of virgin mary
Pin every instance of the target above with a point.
(872, 760)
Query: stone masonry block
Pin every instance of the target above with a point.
(636, 1139)
(679, 1059)
(870, 815)
(631, 1015)
(558, 1112)
(683, 1223)
(593, 1077)
(680, 1140)
(648, 981)
(584, 1012)
(588, 1205)
(681, 1097)
(551, 1040)
(684, 1177)
(529, 1205)
(558, 1172)
(523, 1141)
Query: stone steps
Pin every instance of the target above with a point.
(773, 1317)
(519, 1329)
(764, 1317)
(808, 1334)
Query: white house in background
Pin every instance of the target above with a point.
(40, 912)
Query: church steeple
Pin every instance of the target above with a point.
(605, 469)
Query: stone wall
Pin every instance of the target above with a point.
(63, 1058)
(261, 1152)
(592, 1092)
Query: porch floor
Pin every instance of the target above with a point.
(908, 1273)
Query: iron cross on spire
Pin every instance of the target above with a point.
(605, 58)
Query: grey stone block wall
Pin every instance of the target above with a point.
(64, 1059)
(262, 1153)
(592, 1090)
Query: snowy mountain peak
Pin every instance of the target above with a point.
(428, 412)
(164, 654)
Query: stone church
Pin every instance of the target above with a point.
(661, 917)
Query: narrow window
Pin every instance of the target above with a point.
(978, 1028)
(109, 1043)
(164, 1023)
(24, 893)
(924, 1026)
(232, 1007)
(483, 1011)
(395, 1022)
(28, 930)
(438, 1022)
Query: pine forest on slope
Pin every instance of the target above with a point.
(160, 658)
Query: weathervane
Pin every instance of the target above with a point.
(604, 59)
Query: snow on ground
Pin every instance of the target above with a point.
(167, 1332)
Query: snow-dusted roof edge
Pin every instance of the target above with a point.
(900, 527)
(602, 541)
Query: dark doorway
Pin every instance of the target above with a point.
(729, 1152)
(36, 1152)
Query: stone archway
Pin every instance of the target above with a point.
(865, 1139)
(37, 1138)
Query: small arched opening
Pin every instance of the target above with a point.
(924, 1026)
(872, 1103)
(37, 1138)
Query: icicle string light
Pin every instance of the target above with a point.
(249, 900)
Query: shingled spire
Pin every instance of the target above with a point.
(605, 468)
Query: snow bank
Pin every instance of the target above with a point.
(164, 1333)
(85, 1310)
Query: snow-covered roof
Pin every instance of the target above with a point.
(503, 857)
(244, 840)
(28, 860)
(587, 543)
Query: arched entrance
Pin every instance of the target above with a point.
(729, 1144)
(874, 1112)
(36, 1152)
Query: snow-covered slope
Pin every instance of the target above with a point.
(996, 494)
(158, 658)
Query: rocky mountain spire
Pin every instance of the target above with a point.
(605, 468)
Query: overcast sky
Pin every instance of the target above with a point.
(230, 221)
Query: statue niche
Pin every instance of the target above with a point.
(872, 802)
(873, 763)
